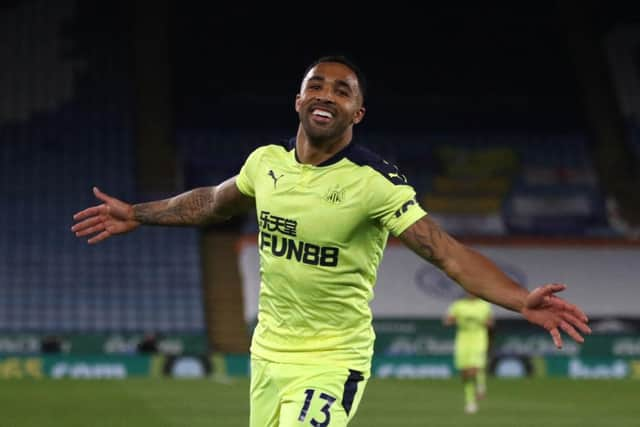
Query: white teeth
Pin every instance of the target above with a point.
(322, 113)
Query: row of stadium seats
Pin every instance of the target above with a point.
(65, 126)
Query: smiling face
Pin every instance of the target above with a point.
(329, 102)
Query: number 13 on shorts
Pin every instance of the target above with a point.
(325, 409)
(294, 395)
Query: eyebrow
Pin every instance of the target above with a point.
(343, 83)
(316, 78)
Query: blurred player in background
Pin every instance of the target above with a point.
(473, 318)
(325, 207)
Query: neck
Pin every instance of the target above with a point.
(315, 152)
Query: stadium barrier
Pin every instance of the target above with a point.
(237, 365)
(99, 343)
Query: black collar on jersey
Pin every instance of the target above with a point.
(330, 161)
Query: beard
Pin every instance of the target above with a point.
(320, 134)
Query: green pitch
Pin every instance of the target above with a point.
(389, 403)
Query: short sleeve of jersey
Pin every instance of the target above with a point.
(245, 179)
(395, 206)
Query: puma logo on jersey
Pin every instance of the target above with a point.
(396, 177)
(272, 174)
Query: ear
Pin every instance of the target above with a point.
(359, 115)
(297, 103)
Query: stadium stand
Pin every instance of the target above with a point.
(65, 126)
(556, 192)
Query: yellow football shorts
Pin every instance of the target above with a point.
(469, 356)
(292, 395)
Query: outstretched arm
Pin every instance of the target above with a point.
(200, 206)
(480, 276)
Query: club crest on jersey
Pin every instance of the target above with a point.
(335, 195)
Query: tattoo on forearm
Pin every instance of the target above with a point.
(429, 240)
(192, 208)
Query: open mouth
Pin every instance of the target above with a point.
(321, 116)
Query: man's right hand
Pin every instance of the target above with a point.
(111, 217)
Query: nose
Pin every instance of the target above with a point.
(325, 95)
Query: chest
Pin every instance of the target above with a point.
(471, 313)
(319, 204)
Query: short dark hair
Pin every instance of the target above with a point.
(342, 59)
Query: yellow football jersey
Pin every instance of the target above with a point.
(471, 322)
(323, 230)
